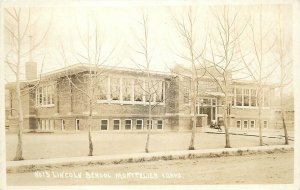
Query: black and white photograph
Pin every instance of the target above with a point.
(140, 94)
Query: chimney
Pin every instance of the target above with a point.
(31, 66)
(31, 70)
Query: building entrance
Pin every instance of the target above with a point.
(207, 106)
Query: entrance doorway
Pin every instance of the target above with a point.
(207, 106)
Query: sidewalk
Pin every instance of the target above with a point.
(46, 164)
(265, 133)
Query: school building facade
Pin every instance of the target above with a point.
(58, 101)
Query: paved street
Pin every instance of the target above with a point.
(251, 169)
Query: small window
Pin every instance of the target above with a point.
(159, 124)
(116, 124)
(139, 124)
(245, 126)
(104, 124)
(62, 125)
(77, 126)
(252, 124)
(151, 124)
(128, 124)
(238, 124)
(265, 124)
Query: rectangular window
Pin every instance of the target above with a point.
(102, 88)
(62, 125)
(246, 97)
(127, 89)
(138, 90)
(117, 124)
(104, 124)
(238, 124)
(45, 95)
(77, 125)
(252, 124)
(159, 124)
(115, 88)
(233, 97)
(253, 97)
(245, 125)
(159, 91)
(239, 97)
(266, 98)
(128, 124)
(150, 90)
(265, 124)
(139, 124)
(151, 124)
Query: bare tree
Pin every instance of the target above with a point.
(258, 68)
(221, 58)
(17, 27)
(93, 60)
(282, 52)
(186, 28)
(152, 88)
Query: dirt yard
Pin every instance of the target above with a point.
(55, 145)
(276, 168)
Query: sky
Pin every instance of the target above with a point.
(120, 32)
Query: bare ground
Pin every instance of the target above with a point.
(57, 145)
(276, 168)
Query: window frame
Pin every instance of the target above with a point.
(253, 125)
(240, 121)
(267, 124)
(142, 125)
(119, 127)
(107, 125)
(126, 124)
(162, 124)
(147, 125)
(247, 126)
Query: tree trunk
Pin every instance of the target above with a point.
(193, 111)
(149, 128)
(19, 152)
(90, 131)
(227, 141)
(259, 117)
(286, 140)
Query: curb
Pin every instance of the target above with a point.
(46, 164)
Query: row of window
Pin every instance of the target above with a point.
(128, 124)
(130, 89)
(249, 97)
(45, 95)
(46, 125)
(246, 124)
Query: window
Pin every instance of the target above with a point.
(252, 124)
(128, 124)
(138, 90)
(127, 89)
(102, 88)
(159, 91)
(253, 97)
(186, 95)
(160, 124)
(62, 125)
(246, 97)
(151, 124)
(239, 97)
(104, 124)
(117, 124)
(238, 124)
(265, 124)
(150, 90)
(233, 97)
(245, 126)
(45, 95)
(46, 125)
(77, 126)
(266, 97)
(115, 88)
(139, 124)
